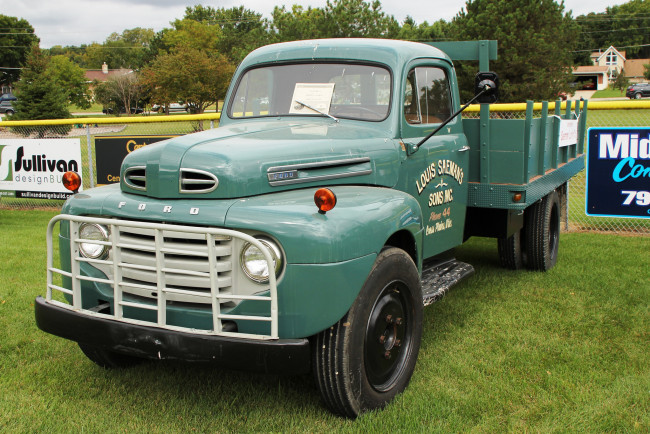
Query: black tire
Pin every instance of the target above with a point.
(543, 233)
(367, 358)
(637, 95)
(9, 112)
(512, 251)
(109, 359)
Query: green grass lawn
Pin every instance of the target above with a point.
(565, 351)
(609, 93)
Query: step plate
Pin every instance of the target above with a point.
(438, 278)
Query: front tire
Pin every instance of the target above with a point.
(367, 358)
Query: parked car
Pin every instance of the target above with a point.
(6, 106)
(589, 85)
(173, 107)
(134, 110)
(638, 91)
(8, 97)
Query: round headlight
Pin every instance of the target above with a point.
(254, 264)
(93, 232)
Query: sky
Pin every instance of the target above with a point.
(76, 22)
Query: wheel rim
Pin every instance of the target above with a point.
(388, 336)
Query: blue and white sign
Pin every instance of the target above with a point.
(618, 172)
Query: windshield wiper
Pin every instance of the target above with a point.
(316, 110)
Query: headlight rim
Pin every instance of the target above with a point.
(276, 254)
(105, 232)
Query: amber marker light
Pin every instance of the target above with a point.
(71, 181)
(325, 200)
(517, 197)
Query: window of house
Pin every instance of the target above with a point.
(427, 99)
(612, 59)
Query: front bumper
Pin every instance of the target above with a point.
(271, 356)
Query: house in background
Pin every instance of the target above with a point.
(607, 65)
(104, 74)
(634, 70)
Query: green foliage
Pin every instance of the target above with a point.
(646, 71)
(535, 44)
(242, 30)
(39, 96)
(411, 31)
(298, 23)
(125, 50)
(197, 77)
(121, 93)
(72, 79)
(623, 26)
(621, 82)
(358, 19)
(16, 38)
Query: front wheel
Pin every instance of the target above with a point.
(637, 95)
(367, 358)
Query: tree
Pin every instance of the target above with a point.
(536, 39)
(622, 82)
(121, 93)
(298, 23)
(623, 26)
(125, 50)
(410, 31)
(646, 71)
(242, 30)
(358, 19)
(39, 96)
(197, 77)
(72, 79)
(16, 38)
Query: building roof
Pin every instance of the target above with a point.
(634, 67)
(597, 55)
(590, 70)
(99, 75)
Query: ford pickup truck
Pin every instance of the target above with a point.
(308, 231)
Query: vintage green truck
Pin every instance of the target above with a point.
(308, 231)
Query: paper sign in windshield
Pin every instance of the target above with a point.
(311, 98)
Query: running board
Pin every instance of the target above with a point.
(438, 278)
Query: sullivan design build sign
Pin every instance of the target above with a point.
(33, 168)
(618, 172)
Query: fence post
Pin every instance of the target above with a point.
(91, 171)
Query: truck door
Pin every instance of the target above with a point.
(436, 174)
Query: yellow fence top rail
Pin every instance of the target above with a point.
(113, 120)
(514, 107)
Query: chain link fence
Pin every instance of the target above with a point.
(614, 114)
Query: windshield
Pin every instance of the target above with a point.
(342, 90)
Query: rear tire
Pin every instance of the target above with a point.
(108, 359)
(637, 95)
(367, 358)
(543, 233)
(512, 251)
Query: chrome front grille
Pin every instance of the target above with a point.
(136, 178)
(153, 266)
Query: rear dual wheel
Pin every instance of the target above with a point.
(535, 246)
(367, 358)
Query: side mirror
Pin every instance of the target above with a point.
(487, 83)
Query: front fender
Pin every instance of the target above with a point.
(329, 256)
(363, 219)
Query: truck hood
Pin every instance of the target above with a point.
(263, 156)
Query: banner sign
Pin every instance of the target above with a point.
(618, 172)
(111, 150)
(568, 132)
(33, 168)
